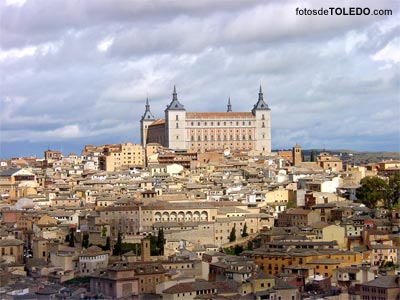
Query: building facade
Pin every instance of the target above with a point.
(209, 131)
(121, 155)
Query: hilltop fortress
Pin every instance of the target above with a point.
(209, 131)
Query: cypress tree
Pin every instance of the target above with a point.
(312, 156)
(160, 240)
(85, 240)
(71, 242)
(232, 235)
(244, 233)
(107, 246)
(118, 246)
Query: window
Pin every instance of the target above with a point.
(177, 117)
(177, 125)
(198, 123)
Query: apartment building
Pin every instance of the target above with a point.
(121, 155)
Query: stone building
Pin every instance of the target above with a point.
(121, 155)
(383, 287)
(209, 131)
(12, 251)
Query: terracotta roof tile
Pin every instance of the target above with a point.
(158, 122)
(218, 115)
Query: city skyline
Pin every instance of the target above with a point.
(79, 73)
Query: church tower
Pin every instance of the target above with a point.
(262, 116)
(296, 155)
(175, 123)
(145, 121)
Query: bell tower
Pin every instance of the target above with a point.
(145, 121)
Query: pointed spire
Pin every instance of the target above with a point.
(260, 105)
(147, 113)
(229, 105)
(174, 94)
(260, 94)
(175, 104)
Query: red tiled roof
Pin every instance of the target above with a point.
(158, 122)
(218, 115)
(189, 287)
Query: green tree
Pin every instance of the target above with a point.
(250, 245)
(85, 240)
(312, 156)
(392, 194)
(238, 249)
(244, 232)
(232, 235)
(154, 250)
(372, 190)
(71, 240)
(108, 244)
(160, 240)
(118, 246)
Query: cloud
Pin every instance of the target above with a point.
(81, 71)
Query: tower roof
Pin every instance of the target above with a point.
(260, 105)
(175, 104)
(229, 105)
(147, 113)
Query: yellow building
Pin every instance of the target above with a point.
(329, 233)
(278, 195)
(329, 162)
(274, 262)
(121, 155)
(17, 183)
(12, 251)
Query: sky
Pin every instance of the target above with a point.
(78, 72)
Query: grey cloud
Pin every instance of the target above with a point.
(320, 92)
